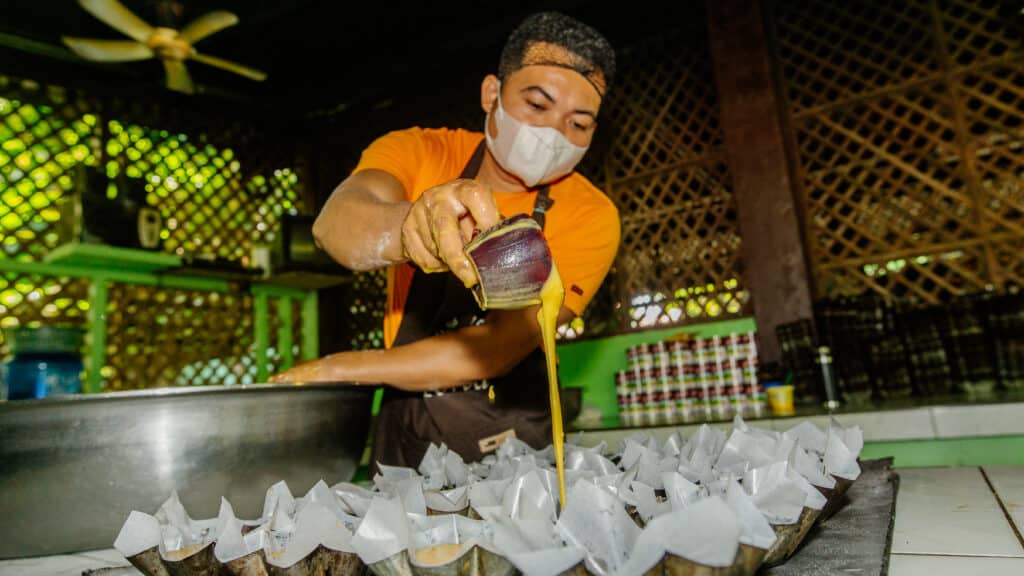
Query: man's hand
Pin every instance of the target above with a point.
(313, 371)
(441, 222)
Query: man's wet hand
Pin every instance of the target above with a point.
(441, 222)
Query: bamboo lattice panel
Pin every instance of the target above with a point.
(365, 314)
(220, 185)
(160, 337)
(679, 260)
(907, 120)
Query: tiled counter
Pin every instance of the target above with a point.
(959, 521)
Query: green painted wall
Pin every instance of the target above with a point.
(983, 451)
(592, 364)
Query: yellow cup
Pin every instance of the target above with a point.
(780, 400)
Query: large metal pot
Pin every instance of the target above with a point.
(72, 468)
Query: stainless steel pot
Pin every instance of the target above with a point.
(72, 468)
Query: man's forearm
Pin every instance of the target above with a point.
(452, 359)
(360, 231)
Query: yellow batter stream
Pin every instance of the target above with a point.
(551, 297)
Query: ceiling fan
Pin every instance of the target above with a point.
(171, 46)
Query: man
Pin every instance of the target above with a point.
(459, 375)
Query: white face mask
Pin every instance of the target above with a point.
(536, 154)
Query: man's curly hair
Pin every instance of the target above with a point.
(554, 39)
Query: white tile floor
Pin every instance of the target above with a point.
(949, 521)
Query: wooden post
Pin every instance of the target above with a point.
(774, 262)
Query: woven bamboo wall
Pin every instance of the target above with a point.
(679, 261)
(220, 184)
(908, 133)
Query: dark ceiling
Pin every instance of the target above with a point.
(319, 54)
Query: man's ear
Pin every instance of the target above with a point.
(489, 93)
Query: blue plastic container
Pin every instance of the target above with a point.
(46, 361)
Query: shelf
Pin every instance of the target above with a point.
(100, 256)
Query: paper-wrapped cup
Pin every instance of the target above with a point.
(454, 501)
(790, 536)
(673, 565)
(834, 496)
(394, 565)
(748, 560)
(337, 563)
(194, 560)
(139, 543)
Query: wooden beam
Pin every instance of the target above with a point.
(774, 263)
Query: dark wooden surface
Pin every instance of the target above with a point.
(857, 539)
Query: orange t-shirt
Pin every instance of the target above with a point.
(581, 227)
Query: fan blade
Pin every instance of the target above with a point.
(178, 77)
(108, 50)
(119, 18)
(230, 66)
(207, 24)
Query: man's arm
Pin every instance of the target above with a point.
(465, 355)
(367, 223)
(360, 225)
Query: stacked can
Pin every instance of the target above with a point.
(625, 390)
(641, 365)
(684, 380)
(662, 377)
(690, 381)
(753, 388)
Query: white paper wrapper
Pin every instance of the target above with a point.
(383, 532)
(810, 467)
(315, 525)
(519, 542)
(428, 531)
(432, 467)
(680, 491)
(673, 444)
(595, 520)
(815, 499)
(410, 490)
(531, 506)
(513, 447)
(550, 562)
(455, 469)
(279, 500)
(809, 436)
(447, 501)
(589, 459)
(706, 533)
(754, 527)
(647, 504)
(839, 460)
(779, 498)
(182, 536)
(744, 451)
(852, 437)
(232, 545)
(353, 499)
(139, 533)
(387, 479)
(487, 493)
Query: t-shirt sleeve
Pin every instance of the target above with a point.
(584, 253)
(399, 153)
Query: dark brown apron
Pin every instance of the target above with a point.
(462, 417)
